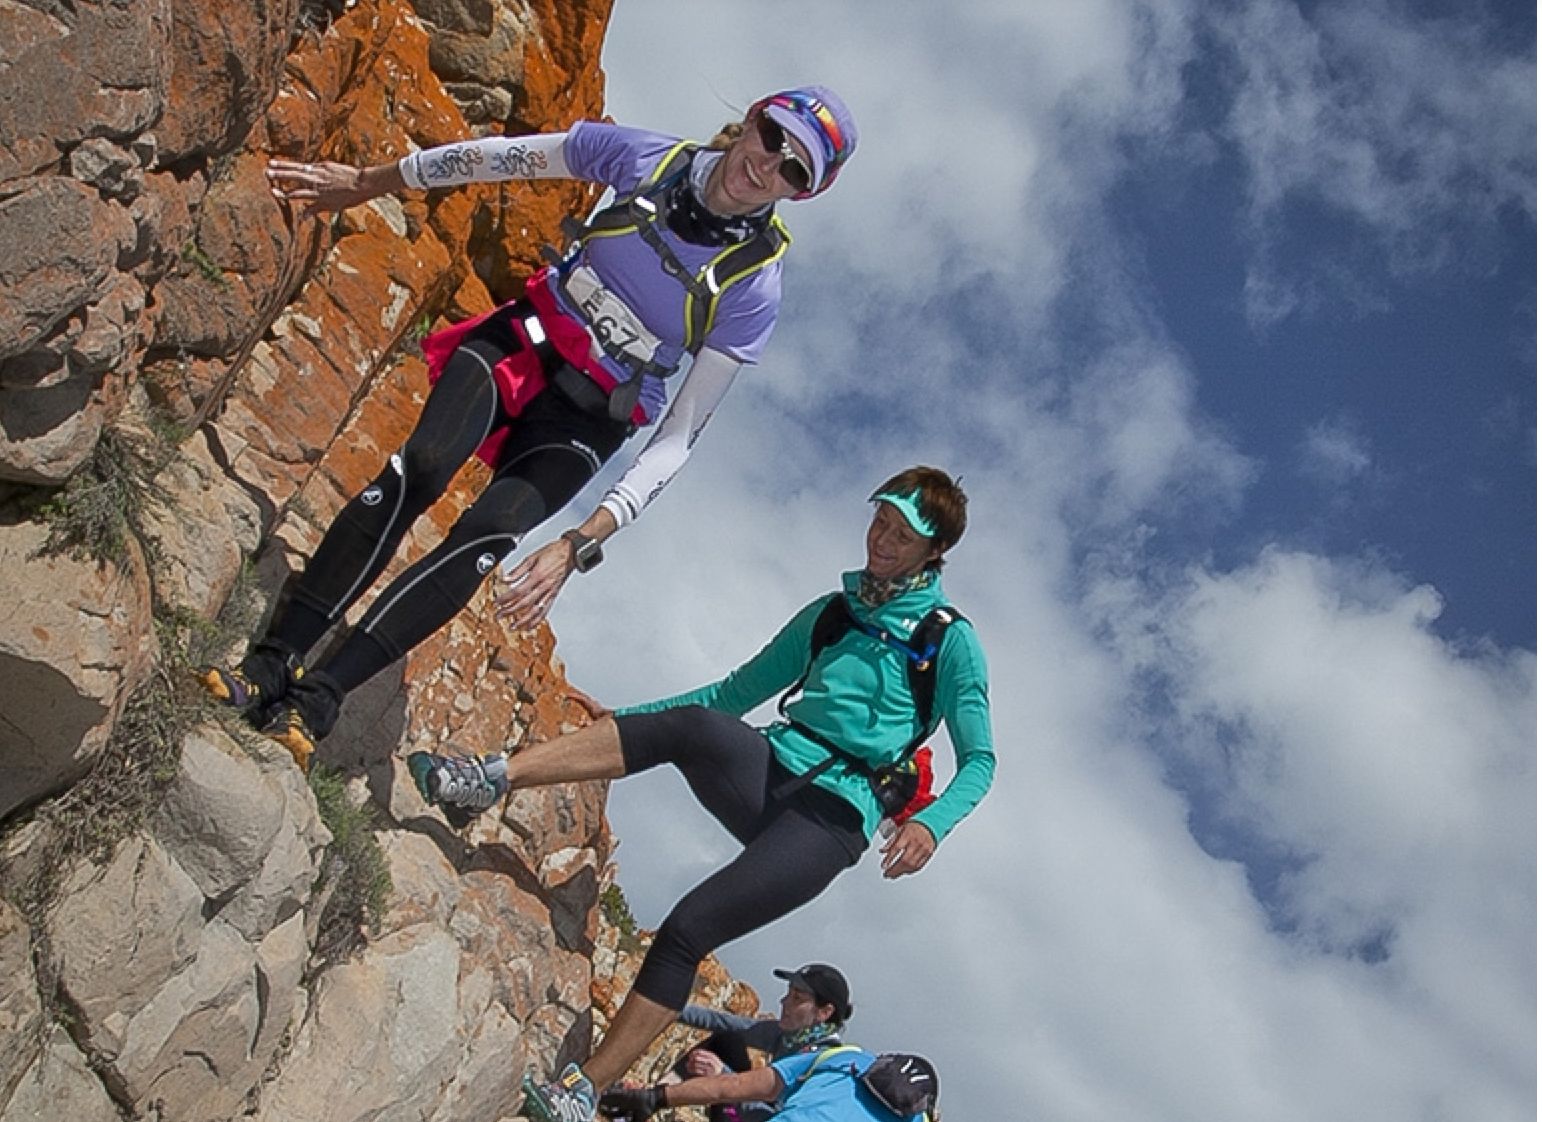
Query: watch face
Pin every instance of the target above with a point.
(586, 553)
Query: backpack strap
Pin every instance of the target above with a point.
(734, 264)
(821, 1058)
(921, 653)
(638, 208)
(640, 213)
(833, 621)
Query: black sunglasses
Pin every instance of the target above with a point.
(774, 138)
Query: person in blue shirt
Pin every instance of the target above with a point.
(843, 1084)
(814, 1011)
(800, 794)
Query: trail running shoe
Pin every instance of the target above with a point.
(288, 727)
(229, 687)
(463, 783)
(570, 1099)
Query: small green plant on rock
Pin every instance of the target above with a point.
(618, 913)
(355, 885)
(106, 502)
(198, 257)
(126, 782)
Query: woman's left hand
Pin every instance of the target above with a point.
(534, 584)
(908, 850)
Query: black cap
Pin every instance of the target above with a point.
(826, 984)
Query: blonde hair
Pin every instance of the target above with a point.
(726, 136)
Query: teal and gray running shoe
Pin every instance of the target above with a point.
(570, 1099)
(466, 783)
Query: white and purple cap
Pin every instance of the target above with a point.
(819, 120)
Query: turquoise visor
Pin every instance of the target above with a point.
(909, 505)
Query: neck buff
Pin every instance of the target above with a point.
(805, 1038)
(689, 218)
(872, 592)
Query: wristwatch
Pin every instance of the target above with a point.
(586, 551)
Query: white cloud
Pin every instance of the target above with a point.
(1335, 453)
(1397, 136)
(1075, 952)
(1330, 723)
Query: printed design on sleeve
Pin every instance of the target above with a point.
(516, 161)
(453, 163)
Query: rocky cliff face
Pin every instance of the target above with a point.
(192, 381)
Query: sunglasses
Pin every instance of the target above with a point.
(774, 139)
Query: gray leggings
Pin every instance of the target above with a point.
(795, 842)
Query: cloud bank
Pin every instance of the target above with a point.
(1262, 843)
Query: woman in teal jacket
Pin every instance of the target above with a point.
(800, 794)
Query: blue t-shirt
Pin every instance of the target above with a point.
(831, 1093)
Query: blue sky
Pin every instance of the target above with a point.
(1400, 416)
(1226, 315)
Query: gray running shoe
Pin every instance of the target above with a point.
(464, 783)
(570, 1099)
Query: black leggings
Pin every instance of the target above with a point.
(552, 449)
(795, 843)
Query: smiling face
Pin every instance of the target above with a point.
(800, 1009)
(749, 176)
(894, 549)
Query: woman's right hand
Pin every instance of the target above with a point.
(324, 186)
(534, 584)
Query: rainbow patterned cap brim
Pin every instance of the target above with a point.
(819, 121)
(909, 505)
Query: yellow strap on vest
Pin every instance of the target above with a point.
(822, 1057)
(733, 264)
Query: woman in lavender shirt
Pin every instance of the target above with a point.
(548, 387)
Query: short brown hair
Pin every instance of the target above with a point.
(941, 500)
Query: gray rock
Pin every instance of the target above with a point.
(75, 641)
(60, 1085)
(392, 1013)
(281, 887)
(21, 1011)
(62, 242)
(110, 169)
(104, 68)
(206, 529)
(119, 934)
(186, 1053)
(220, 817)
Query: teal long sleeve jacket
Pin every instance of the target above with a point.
(858, 695)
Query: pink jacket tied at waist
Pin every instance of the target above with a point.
(519, 375)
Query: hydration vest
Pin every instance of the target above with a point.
(640, 213)
(905, 1085)
(893, 783)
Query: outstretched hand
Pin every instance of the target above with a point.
(325, 186)
(596, 711)
(534, 584)
(908, 850)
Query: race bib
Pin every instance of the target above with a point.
(614, 326)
